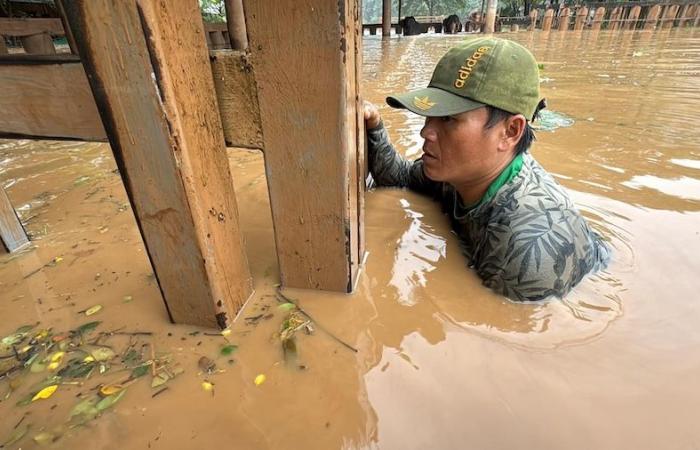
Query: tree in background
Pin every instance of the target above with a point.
(372, 9)
(213, 10)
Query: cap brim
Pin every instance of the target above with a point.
(432, 102)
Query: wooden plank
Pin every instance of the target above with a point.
(149, 72)
(308, 117)
(652, 17)
(50, 100)
(26, 27)
(547, 21)
(12, 234)
(237, 98)
(598, 18)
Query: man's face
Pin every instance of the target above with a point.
(460, 149)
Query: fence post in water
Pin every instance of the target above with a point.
(614, 21)
(652, 17)
(12, 234)
(386, 18)
(547, 21)
(563, 19)
(150, 75)
(581, 15)
(235, 21)
(633, 17)
(598, 18)
(3, 47)
(38, 44)
(490, 21)
(669, 16)
(313, 137)
(533, 20)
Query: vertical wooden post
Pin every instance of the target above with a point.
(3, 47)
(490, 22)
(598, 18)
(696, 22)
(150, 75)
(533, 20)
(312, 130)
(652, 17)
(12, 234)
(235, 21)
(581, 15)
(563, 19)
(683, 16)
(614, 20)
(386, 18)
(217, 40)
(38, 44)
(547, 21)
(633, 17)
(669, 16)
(66, 28)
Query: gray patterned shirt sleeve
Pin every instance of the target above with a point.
(388, 168)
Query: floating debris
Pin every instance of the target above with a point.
(260, 379)
(93, 310)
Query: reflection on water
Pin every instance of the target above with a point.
(442, 363)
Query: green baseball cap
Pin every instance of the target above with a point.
(481, 71)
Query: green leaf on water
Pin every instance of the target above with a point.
(228, 349)
(86, 406)
(16, 435)
(38, 366)
(140, 371)
(102, 353)
(540, 66)
(110, 400)
(44, 438)
(88, 327)
(131, 358)
(287, 307)
(24, 329)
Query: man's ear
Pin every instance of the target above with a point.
(513, 129)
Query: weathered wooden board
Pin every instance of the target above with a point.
(12, 235)
(149, 73)
(307, 94)
(26, 27)
(237, 98)
(47, 98)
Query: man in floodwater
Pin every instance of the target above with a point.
(517, 225)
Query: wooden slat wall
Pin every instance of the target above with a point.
(26, 27)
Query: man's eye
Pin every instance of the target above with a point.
(446, 118)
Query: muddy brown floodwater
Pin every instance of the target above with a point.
(442, 362)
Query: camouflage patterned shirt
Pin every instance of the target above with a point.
(527, 242)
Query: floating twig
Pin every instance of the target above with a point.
(320, 327)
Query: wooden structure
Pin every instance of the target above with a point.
(152, 84)
(12, 235)
(563, 23)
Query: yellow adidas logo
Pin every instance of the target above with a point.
(423, 103)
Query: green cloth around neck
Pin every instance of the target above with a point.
(510, 172)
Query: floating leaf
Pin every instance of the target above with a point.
(45, 393)
(57, 357)
(160, 379)
(207, 386)
(57, 259)
(109, 401)
(127, 298)
(38, 366)
(93, 310)
(76, 368)
(88, 359)
(260, 379)
(44, 438)
(131, 358)
(102, 353)
(289, 348)
(53, 366)
(287, 306)
(110, 389)
(226, 332)
(140, 371)
(85, 407)
(16, 435)
(228, 349)
(206, 365)
(88, 327)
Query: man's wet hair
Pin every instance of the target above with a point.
(497, 116)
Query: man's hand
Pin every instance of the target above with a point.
(372, 116)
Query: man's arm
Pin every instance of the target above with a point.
(387, 167)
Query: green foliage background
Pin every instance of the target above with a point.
(372, 9)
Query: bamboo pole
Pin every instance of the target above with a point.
(235, 22)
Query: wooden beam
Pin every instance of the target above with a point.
(12, 234)
(386, 18)
(311, 126)
(237, 98)
(563, 19)
(633, 17)
(27, 27)
(235, 21)
(598, 18)
(38, 44)
(547, 21)
(652, 17)
(149, 73)
(581, 15)
(47, 98)
(669, 16)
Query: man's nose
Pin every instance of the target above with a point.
(428, 131)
